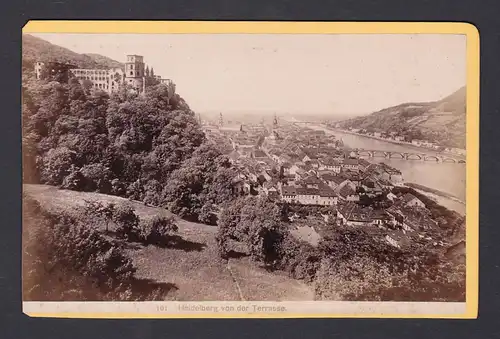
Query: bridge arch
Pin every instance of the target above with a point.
(396, 155)
(363, 153)
(379, 154)
(413, 156)
(431, 158)
(451, 160)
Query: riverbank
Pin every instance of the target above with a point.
(442, 198)
(395, 142)
(433, 191)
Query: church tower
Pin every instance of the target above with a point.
(274, 132)
(134, 72)
(274, 137)
(275, 122)
(221, 120)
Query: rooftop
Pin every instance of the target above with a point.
(333, 178)
(351, 162)
(346, 190)
(408, 197)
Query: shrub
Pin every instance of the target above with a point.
(352, 279)
(65, 259)
(127, 222)
(99, 213)
(207, 215)
(299, 258)
(156, 231)
(118, 187)
(75, 180)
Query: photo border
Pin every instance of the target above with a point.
(284, 27)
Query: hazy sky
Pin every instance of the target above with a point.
(338, 73)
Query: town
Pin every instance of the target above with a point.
(240, 185)
(291, 163)
(299, 166)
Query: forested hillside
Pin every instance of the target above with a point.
(442, 121)
(35, 49)
(144, 147)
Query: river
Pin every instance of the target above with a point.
(445, 177)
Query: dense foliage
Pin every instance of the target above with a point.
(361, 266)
(67, 256)
(256, 222)
(350, 263)
(144, 147)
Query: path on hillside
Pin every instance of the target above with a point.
(193, 269)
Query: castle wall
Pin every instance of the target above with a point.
(108, 80)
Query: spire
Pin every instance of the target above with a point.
(275, 122)
(147, 71)
(152, 72)
(221, 120)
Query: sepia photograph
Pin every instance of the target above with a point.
(238, 173)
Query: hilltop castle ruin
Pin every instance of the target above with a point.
(136, 74)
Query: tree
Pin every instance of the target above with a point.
(87, 85)
(75, 180)
(256, 222)
(127, 221)
(157, 230)
(97, 178)
(56, 165)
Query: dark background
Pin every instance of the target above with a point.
(483, 14)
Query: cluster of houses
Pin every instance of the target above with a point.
(285, 166)
(405, 222)
(306, 167)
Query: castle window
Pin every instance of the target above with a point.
(131, 73)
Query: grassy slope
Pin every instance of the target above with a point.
(194, 267)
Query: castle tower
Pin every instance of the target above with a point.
(134, 72)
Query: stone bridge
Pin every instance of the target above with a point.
(305, 123)
(439, 157)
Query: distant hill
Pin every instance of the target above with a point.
(441, 121)
(35, 49)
